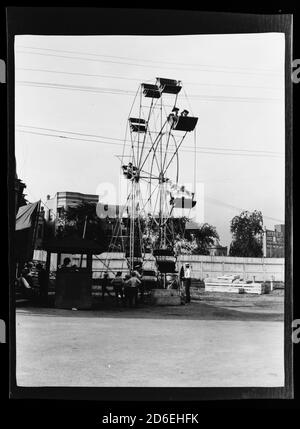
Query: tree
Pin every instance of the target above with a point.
(174, 231)
(82, 220)
(247, 230)
(204, 237)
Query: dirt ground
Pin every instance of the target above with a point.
(267, 305)
(216, 341)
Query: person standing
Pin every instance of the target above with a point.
(187, 283)
(27, 273)
(43, 283)
(118, 284)
(105, 284)
(25, 283)
(132, 285)
(181, 275)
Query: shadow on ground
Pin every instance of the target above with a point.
(213, 309)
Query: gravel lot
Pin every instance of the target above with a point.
(219, 341)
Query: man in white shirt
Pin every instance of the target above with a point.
(131, 289)
(187, 282)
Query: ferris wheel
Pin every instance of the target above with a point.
(158, 124)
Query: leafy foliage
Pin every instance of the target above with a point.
(183, 246)
(82, 220)
(247, 230)
(75, 220)
(204, 238)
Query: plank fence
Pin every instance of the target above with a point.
(263, 269)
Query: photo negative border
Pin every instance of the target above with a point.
(80, 21)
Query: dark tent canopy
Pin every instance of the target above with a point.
(73, 245)
(25, 230)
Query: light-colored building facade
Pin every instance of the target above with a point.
(55, 207)
(19, 193)
(63, 200)
(273, 242)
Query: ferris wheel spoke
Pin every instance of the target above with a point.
(149, 175)
(141, 236)
(177, 159)
(126, 130)
(144, 140)
(176, 151)
(152, 146)
(149, 198)
(154, 158)
(118, 225)
(133, 150)
(156, 202)
(166, 151)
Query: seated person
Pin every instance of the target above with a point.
(175, 110)
(184, 112)
(129, 170)
(26, 284)
(66, 264)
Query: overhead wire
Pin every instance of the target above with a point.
(207, 67)
(200, 150)
(117, 91)
(206, 84)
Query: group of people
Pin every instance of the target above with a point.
(129, 170)
(175, 114)
(126, 290)
(26, 283)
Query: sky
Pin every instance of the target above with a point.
(74, 94)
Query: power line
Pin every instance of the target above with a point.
(72, 132)
(120, 144)
(206, 97)
(210, 70)
(116, 91)
(79, 74)
(143, 80)
(129, 141)
(224, 204)
(94, 60)
(233, 86)
(254, 70)
(68, 138)
(76, 87)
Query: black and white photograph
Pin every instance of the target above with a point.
(150, 210)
